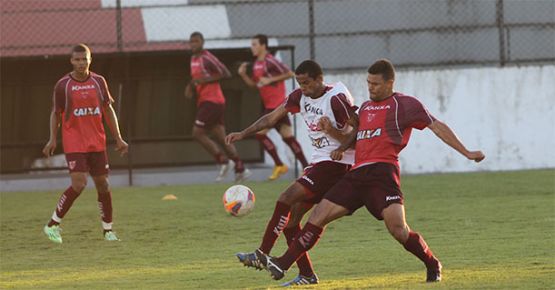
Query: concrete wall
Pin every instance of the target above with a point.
(509, 113)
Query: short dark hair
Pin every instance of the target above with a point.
(262, 39)
(81, 47)
(196, 33)
(384, 68)
(310, 67)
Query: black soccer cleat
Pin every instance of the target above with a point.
(302, 280)
(251, 259)
(273, 267)
(434, 274)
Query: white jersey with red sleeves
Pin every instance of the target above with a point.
(82, 106)
(336, 104)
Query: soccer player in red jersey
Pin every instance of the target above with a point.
(269, 75)
(81, 100)
(206, 72)
(315, 101)
(383, 129)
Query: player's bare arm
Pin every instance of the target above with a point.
(264, 122)
(348, 140)
(55, 121)
(189, 91)
(447, 135)
(112, 120)
(264, 81)
(242, 71)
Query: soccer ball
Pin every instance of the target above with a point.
(238, 200)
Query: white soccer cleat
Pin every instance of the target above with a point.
(242, 176)
(224, 169)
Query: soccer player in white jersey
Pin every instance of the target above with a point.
(320, 105)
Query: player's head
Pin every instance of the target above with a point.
(310, 77)
(81, 58)
(381, 75)
(259, 44)
(196, 41)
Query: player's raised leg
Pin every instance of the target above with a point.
(279, 167)
(78, 184)
(241, 173)
(394, 218)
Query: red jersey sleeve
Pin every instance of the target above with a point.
(414, 113)
(293, 101)
(59, 96)
(275, 67)
(342, 109)
(106, 97)
(213, 65)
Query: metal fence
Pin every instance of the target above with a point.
(340, 34)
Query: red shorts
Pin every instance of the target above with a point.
(283, 121)
(96, 163)
(320, 177)
(209, 115)
(375, 186)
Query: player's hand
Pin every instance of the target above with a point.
(264, 81)
(324, 124)
(242, 69)
(189, 92)
(477, 156)
(122, 147)
(232, 137)
(336, 154)
(49, 148)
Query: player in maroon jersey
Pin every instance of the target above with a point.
(384, 126)
(81, 100)
(269, 75)
(206, 72)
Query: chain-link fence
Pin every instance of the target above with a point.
(341, 34)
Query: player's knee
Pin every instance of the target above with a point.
(103, 186)
(291, 195)
(197, 133)
(79, 184)
(399, 232)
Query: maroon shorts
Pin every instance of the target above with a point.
(209, 114)
(283, 121)
(375, 186)
(96, 163)
(320, 177)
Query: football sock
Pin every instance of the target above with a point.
(105, 207)
(304, 263)
(304, 241)
(418, 247)
(63, 206)
(297, 150)
(269, 147)
(275, 226)
(239, 167)
(220, 158)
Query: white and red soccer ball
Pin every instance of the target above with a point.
(238, 200)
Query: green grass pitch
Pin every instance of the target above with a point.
(490, 230)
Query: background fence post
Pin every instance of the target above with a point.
(501, 29)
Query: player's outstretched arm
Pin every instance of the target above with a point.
(55, 121)
(112, 120)
(265, 122)
(447, 135)
(264, 81)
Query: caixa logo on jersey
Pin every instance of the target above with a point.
(367, 134)
(90, 111)
(79, 87)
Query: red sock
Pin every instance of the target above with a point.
(304, 241)
(297, 150)
(239, 167)
(304, 263)
(220, 158)
(275, 226)
(63, 206)
(105, 207)
(269, 147)
(418, 247)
